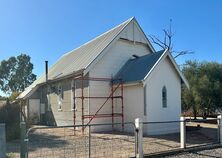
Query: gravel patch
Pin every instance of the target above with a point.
(209, 153)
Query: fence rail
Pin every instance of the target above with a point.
(97, 140)
(104, 140)
(167, 136)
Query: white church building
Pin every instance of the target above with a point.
(114, 78)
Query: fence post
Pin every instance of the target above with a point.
(89, 141)
(2, 140)
(139, 138)
(182, 133)
(23, 147)
(219, 122)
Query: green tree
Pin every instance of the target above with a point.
(205, 94)
(16, 74)
(210, 87)
(188, 95)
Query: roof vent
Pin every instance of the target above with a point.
(135, 56)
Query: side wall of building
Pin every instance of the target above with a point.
(64, 112)
(59, 106)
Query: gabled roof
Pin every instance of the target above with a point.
(138, 69)
(80, 58)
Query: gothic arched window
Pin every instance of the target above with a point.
(164, 97)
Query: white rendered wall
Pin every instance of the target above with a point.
(110, 62)
(108, 66)
(133, 106)
(116, 57)
(133, 32)
(163, 75)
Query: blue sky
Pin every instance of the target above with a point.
(46, 29)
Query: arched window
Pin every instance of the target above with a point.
(164, 97)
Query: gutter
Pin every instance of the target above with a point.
(132, 83)
(75, 73)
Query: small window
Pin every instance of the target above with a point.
(164, 97)
(48, 98)
(60, 92)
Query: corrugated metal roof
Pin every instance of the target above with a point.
(136, 69)
(78, 58)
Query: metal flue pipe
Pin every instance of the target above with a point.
(46, 71)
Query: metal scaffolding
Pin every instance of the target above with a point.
(111, 96)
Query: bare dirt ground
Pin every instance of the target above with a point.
(61, 142)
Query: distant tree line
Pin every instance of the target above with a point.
(204, 97)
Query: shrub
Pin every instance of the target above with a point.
(10, 115)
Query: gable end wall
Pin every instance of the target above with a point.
(163, 75)
(108, 66)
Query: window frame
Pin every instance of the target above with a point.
(60, 93)
(164, 97)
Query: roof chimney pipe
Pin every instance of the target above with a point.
(46, 71)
